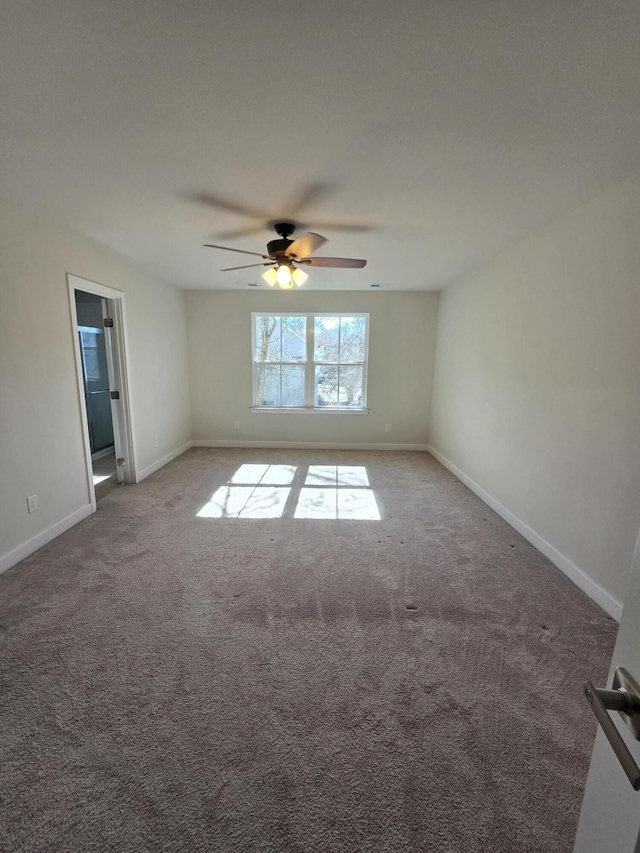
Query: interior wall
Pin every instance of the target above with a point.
(401, 351)
(537, 386)
(41, 446)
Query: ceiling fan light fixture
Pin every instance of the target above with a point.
(283, 277)
(270, 276)
(299, 277)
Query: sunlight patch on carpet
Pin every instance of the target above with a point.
(339, 492)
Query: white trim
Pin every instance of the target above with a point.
(116, 297)
(81, 401)
(160, 463)
(608, 603)
(309, 445)
(306, 410)
(31, 545)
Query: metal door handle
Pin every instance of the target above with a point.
(624, 697)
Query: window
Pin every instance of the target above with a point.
(89, 347)
(310, 362)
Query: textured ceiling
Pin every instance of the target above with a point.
(441, 132)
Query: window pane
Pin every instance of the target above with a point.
(280, 339)
(294, 342)
(352, 335)
(292, 385)
(339, 339)
(91, 365)
(268, 385)
(326, 385)
(268, 338)
(350, 387)
(326, 339)
(280, 385)
(338, 385)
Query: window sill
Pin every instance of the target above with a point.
(307, 410)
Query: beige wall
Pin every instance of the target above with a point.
(537, 385)
(41, 444)
(401, 349)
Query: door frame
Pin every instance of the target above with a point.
(119, 349)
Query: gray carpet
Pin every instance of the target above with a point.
(173, 682)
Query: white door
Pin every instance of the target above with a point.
(610, 817)
(108, 310)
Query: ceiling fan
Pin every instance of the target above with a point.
(305, 196)
(285, 258)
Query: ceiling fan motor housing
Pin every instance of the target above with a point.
(284, 230)
(278, 247)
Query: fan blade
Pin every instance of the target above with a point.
(229, 205)
(229, 249)
(245, 267)
(305, 244)
(333, 262)
(306, 195)
(237, 233)
(343, 226)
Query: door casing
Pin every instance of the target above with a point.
(117, 349)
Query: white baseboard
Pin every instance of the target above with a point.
(160, 463)
(104, 452)
(22, 551)
(608, 603)
(308, 445)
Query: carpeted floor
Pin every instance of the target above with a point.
(300, 682)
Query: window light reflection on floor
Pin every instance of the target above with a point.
(356, 504)
(337, 475)
(272, 475)
(246, 502)
(100, 478)
(263, 491)
(254, 491)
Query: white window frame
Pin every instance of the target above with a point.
(310, 365)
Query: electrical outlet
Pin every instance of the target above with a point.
(236, 424)
(155, 442)
(387, 428)
(32, 503)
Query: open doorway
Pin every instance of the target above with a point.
(91, 311)
(99, 341)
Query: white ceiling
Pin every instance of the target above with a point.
(449, 129)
